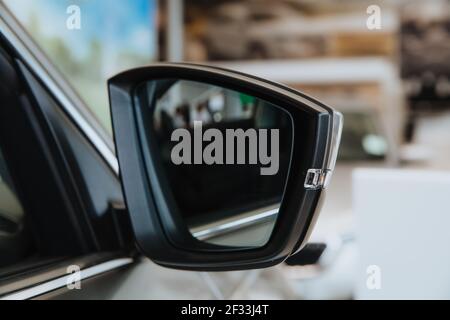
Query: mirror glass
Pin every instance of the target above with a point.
(223, 159)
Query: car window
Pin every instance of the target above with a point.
(13, 246)
(89, 41)
(10, 207)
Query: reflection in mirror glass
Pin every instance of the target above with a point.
(224, 157)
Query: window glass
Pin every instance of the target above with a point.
(13, 244)
(89, 41)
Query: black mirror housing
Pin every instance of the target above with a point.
(160, 233)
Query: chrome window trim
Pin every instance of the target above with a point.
(72, 104)
(61, 282)
(220, 228)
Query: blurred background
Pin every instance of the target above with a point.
(384, 64)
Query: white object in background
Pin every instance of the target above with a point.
(403, 233)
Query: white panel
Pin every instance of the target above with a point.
(403, 226)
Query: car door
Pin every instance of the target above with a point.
(62, 218)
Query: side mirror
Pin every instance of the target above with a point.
(220, 170)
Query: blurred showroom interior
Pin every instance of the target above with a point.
(384, 64)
